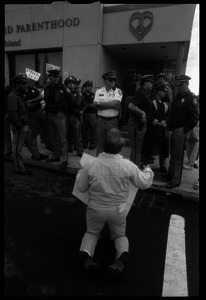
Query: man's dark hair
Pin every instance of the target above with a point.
(113, 141)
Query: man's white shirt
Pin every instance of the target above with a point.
(102, 95)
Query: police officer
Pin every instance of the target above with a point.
(74, 115)
(140, 109)
(107, 101)
(77, 85)
(57, 100)
(160, 133)
(183, 117)
(89, 116)
(19, 119)
(38, 122)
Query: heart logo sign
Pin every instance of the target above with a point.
(140, 24)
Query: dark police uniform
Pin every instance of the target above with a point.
(57, 100)
(137, 129)
(19, 119)
(159, 118)
(183, 117)
(38, 121)
(74, 117)
(89, 118)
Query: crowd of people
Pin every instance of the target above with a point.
(161, 122)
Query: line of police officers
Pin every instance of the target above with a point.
(150, 121)
(60, 127)
(162, 124)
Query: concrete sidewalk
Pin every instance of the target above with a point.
(185, 189)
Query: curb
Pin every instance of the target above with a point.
(73, 169)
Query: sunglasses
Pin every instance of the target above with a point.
(111, 79)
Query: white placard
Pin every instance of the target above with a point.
(84, 197)
(32, 74)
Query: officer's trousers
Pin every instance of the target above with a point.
(177, 145)
(73, 132)
(21, 137)
(39, 125)
(57, 129)
(192, 152)
(89, 129)
(96, 219)
(136, 142)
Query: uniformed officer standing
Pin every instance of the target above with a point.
(140, 108)
(183, 117)
(74, 116)
(19, 119)
(57, 99)
(107, 101)
(89, 117)
(38, 122)
(160, 133)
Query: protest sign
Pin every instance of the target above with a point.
(32, 74)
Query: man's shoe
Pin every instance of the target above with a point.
(171, 185)
(63, 165)
(52, 159)
(42, 157)
(25, 172)
(85, 261)
(195, 166)
(113, 272)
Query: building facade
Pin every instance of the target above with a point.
(86, 40)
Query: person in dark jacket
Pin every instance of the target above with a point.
(74, 116)
(57, 101)
(160, 133)
(183, 117)
(140, 113)
(89, 117)
(19, 119)
(38, 119)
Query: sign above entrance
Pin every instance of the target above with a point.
(140, 24)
